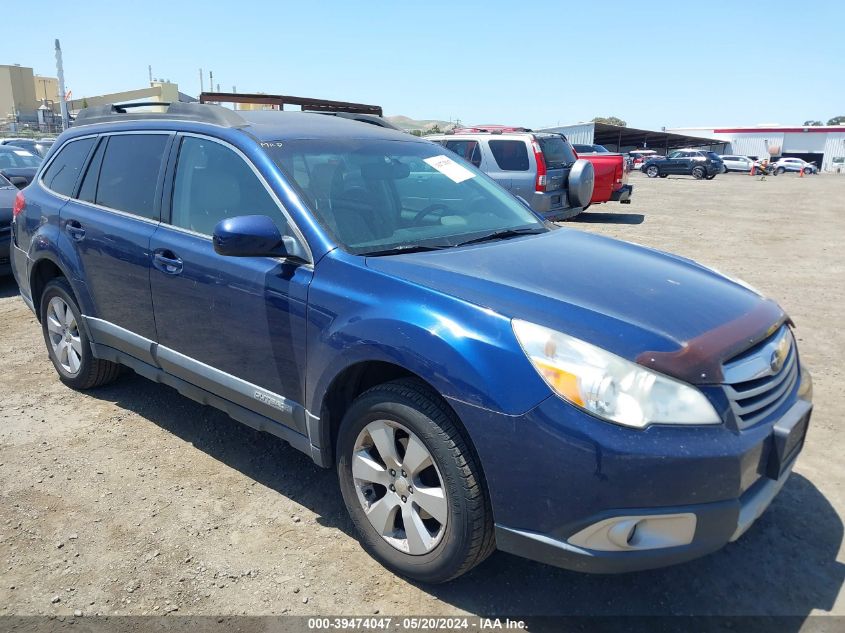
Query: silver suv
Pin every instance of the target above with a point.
(540, 168)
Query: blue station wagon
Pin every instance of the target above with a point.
(479, 378)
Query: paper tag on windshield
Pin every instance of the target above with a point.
(449, 168)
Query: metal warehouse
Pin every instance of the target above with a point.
(624, 139)
(823, 145)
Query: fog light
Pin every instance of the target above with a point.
(629, 533)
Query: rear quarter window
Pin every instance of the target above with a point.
(510, 155)
(62, 173)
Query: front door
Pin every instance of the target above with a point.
(234, 326)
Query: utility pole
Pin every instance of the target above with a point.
(60, 71)
(234, 91)
(150, 69)
(202, 89)
(211, 81)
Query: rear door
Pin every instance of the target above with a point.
(232, 325)
(559, 157)
(511, 166)
(109, 224)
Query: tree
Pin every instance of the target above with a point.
(812, 123)
(416, 132)
(837, 120)
(434, 129)
(610, 120)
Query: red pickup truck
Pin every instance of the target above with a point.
(611, 174)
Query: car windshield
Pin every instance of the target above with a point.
(383, 196)
(557, 152)
(16, 157)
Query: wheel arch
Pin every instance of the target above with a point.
(42, 271)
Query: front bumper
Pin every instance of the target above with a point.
(623, 194)
(582, 472)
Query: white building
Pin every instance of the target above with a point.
(822, 145)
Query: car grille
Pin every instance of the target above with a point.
(755, 384)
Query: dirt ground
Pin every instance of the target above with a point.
(131, 499)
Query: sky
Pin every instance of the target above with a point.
(653, 64)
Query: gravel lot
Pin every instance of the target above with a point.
(134, 500)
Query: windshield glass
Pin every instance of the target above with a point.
(557, 151)
(16, 157)
(378, 195)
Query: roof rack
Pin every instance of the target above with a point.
(306, 103)
(203, 113)
(488, 129)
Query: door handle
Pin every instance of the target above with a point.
(75, 230)
(167, 262)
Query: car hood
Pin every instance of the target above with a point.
(661, 310)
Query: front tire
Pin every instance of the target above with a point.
(698, 173)
(780, 170)
(652, 171)
(412, 485)
(67, 343)
(710, 177)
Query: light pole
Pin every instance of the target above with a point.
(61, 73)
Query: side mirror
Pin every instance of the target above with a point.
(254, 236)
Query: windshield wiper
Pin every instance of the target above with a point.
(404, 248)
(501, 235)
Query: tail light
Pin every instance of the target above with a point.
(542, 180)
(20, 204)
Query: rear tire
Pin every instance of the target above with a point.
(67, 342)
(698, 173)
(379, 432)
(664, 175)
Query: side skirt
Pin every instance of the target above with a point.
(241, 414)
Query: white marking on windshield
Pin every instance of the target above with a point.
(449, 168)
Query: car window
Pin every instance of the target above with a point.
(88, 188)
(510, 155)
(466, 149)
(677, 155)
(557, 152)
(130, 171)
(16, 157)
(63, 171)
(213, 183)
(377, 195)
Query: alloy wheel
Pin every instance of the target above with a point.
(399, 487)
(64, 335)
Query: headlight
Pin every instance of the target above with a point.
(609, 386)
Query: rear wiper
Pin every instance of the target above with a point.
(500, 235)
(405, 248)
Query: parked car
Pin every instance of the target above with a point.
(8, 193)
(737, 163)
(18, 165)
(541, 168)
(589, 149)
(39, 147)
(794, 164)
(689, 162)
(639, 156)
(610, 176)
(478, 378)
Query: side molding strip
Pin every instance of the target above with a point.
(210, 379)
